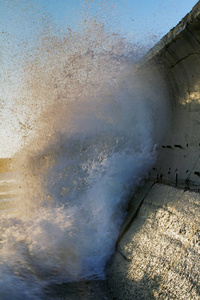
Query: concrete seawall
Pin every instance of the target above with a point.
(158, 249)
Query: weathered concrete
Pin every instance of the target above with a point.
(158, 257)
(158, 249)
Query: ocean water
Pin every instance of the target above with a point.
(8, 189)
(75, 186)
(93, 128)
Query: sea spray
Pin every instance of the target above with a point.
(77, 177)
(92, 130)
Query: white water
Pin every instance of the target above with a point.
(96, 128)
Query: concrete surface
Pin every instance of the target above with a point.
(84, 290)
(158, 248)
(158, 257)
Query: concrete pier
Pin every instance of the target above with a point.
(158, 248)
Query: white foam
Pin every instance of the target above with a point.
(92, 146)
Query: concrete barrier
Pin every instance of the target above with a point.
(158, 248)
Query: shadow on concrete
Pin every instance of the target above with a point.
(83, 290)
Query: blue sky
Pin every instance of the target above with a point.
(139, 21)
(142, 21)
(133, 17)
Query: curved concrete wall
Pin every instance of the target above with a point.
(158, 249)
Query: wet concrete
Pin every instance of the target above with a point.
(84, 290)
(158, 250)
